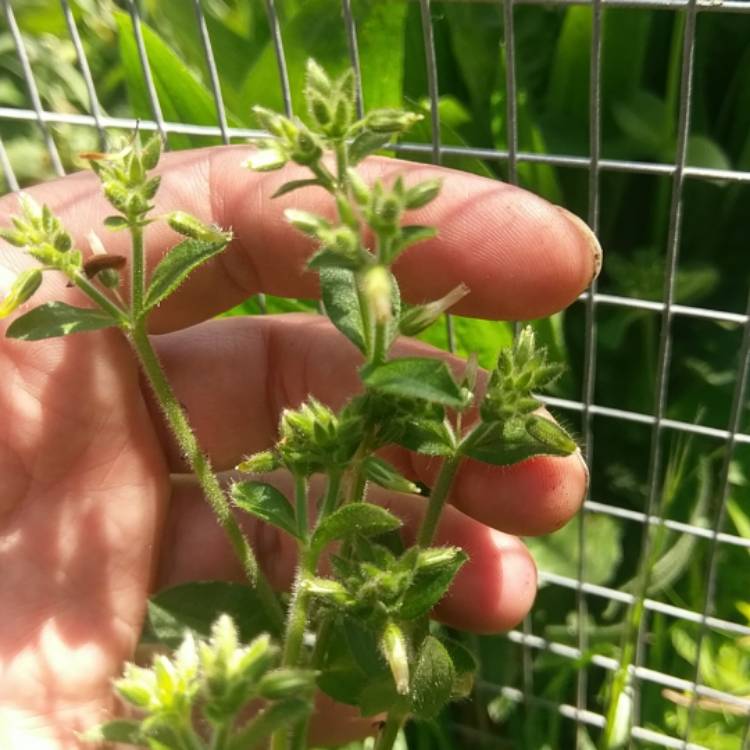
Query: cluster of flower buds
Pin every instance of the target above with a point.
(41, 235)
(520, 369)
(125, 180)
(218, 676)
(330, 102)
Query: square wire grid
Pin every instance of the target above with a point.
(667, 309)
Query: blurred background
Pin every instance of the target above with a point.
(635, 114)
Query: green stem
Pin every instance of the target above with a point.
(438, 496)
(101, 299)
(137, 272)
(330, 500)
(298, 610)
(300, 503)
(220, 737)
(388, 734)
(201, 467)
(341, 165)
(380, 343)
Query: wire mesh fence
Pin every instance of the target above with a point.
(679, 500)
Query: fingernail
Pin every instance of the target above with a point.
(591, 240)
(586, 471)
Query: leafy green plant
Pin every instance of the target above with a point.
(372, 646)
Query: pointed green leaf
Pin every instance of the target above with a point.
(120, 730)
(465, 665)
(177, 265)
(432, 679)
(416, 377)
(339, 290)
(355, 518)
(366, 143)
(502, 444)
(343, 684)
(379, 696)
(410, 235)
(288, 187)
(195, 607)
(431, 581)
(57, 319)
(385, 475)
(427, 436)
(331, 259)
(267, 503)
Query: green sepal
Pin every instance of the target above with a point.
(431, 581)
(58, 319)
(126, 731)
(177, 265)
(432, 679)
(416, 377)
(385, 475)
(356, 518)
(505, 443)
(267, 503)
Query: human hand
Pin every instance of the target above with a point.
(92, 517)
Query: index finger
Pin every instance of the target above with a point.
(520, 256)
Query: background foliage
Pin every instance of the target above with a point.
(640, 83)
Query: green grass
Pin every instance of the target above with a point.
(640, 104)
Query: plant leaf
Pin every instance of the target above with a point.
(339, 291)
(195, 607)
(432, 679)
(380, 696)
(57, 319)
(288, 187)
(176, 266)
(410, 235)
(505, 443)
(366, 143)
(430, 584)
(277, 715)
(267, 503)
(119, 730)
(416, 377)
(427, 436)
(466, 666)
(355, 518)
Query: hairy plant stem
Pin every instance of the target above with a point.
(201, 467)
(137, 271)
(101, 299)
(220, 736)
(388, 734)
(438, 496)
(331, 497)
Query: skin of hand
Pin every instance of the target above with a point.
(96, 507)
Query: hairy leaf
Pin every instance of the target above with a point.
(288, 187)
(416, 377)
(428, 436)
(120, 730)
(267, 503)
(430, 583)
(339, 290)
(195, 607)
(177, 265)
(355, 518)
(57, 319)
(432, 679)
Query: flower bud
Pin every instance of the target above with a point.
(328, 591)
(151, 152)
(259, 463)
(150, 187)
(14, 236)
(62, 241)
(417, 318)
(306, 149)
(271, 121)
(422, 194)
(320, 111)
(385, 475)
(24, 286)
(394, 647)
(391, 120)
(266, 159)
(117, 195)
(550, 434)
(189, 226)
(376, 286)
(359, 188)
(307, 223)
(317, 80)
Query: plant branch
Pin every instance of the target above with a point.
(389, 732)
(137, 271)
(438, 496)
(201, 467)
